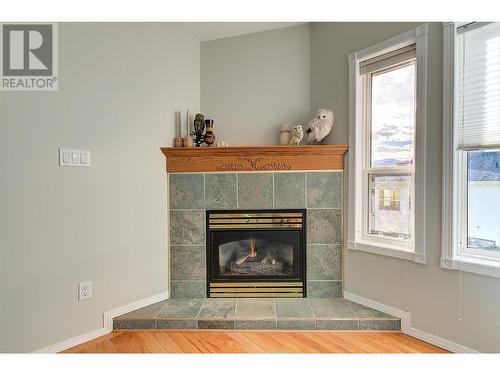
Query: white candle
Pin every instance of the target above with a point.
(179, 130)
(176, 125)
(188, 125)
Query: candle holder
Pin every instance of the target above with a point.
(178, 142)
(199, 127)
(187, 141)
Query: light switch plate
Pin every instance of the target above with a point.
(72, 157)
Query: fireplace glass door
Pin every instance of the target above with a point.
(256, 255)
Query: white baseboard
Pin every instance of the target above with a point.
(69, 343)
(107, 324)
(438, 341)
(406, 327)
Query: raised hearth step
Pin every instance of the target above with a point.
(257, 314)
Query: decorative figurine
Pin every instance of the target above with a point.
(285, 134)
(199, 126)
(297, 134)
(221, 144)
(320, 126)
(209, 136)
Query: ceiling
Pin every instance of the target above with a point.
(206, 31)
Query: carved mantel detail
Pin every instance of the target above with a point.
(241, 159)
(230, 166)
(255, 165)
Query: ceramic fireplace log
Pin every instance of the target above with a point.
(268, 259)
(255, 266)
(241, 260)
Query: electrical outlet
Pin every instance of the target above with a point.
(84, 290)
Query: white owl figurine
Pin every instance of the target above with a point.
(296, 135)
(320, 126)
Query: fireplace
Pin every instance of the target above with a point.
(256, 253)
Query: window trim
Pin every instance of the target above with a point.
(416, 36)
(452, 257)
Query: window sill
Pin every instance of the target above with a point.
(386, 251)
(483, 267)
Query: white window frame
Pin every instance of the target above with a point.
(357, 208)
(454, 195)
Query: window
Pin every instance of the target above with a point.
(471, 150)
(387, 122)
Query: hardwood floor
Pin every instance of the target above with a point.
(254, 342)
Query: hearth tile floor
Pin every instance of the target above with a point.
(293, 308)
(257, 314)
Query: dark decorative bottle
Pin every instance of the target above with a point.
(209, 136)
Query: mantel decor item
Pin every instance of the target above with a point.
(209, 136)
(320, 126)
(189, 123)
(199, 127)
(285, 135)
(178, 131)
(187, 141)
(221, 144)
(178, 142)
(296, 135)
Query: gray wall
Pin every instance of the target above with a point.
(251, 84)
(433, 293)
(119, 87)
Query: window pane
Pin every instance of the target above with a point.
(483, 205)
(393, 117)
(390, 206)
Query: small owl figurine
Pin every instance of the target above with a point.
(320, 126)
(296, 135)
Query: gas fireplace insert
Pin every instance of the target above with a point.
(256, 253)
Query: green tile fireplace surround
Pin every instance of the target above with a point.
(190, 194)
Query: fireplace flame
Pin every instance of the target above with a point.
(253, 253)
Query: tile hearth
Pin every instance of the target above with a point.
(257, 314)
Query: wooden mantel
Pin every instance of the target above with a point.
(266, 158)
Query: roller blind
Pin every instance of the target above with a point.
(478, 86)
(392, 58)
